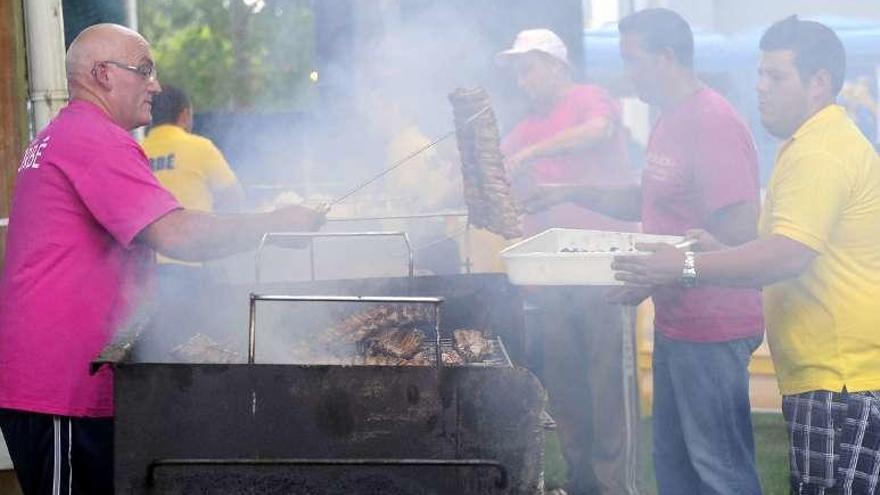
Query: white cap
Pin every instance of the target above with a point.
(537, 40)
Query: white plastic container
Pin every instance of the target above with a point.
(572, 256)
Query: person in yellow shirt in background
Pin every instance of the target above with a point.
(429, 182)
(193, 170)
(188, 165)
(817, 257)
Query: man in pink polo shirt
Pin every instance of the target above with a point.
(701, 172)
(87, 217)
(573, 135)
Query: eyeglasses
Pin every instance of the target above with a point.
(145, 70)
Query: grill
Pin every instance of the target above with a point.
(273, 427)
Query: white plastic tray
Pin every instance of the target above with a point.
(540, 260)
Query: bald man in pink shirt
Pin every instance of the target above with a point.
(87, 217)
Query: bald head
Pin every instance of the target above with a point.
(98, 43)
(111, 66)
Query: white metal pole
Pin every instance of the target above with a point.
(131, 14)
(44, 30)
(131, 20)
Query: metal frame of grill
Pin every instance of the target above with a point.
(326, 429)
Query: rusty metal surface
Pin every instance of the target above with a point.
(238, 428)
(271, 412)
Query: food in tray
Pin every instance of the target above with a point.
(486, 185)
(612, 249)
(470, 343)
(201, 349)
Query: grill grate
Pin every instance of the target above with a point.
(496, 356)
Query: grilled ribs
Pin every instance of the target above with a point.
(397, 342)
(486, 185)
(470, 344)
(363, 325)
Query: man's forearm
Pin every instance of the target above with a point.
(198, 236)
(761, 262)
(623, 204)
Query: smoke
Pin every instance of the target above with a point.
(402, 64)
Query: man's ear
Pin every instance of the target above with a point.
(102, 77)
(668, 55)
(185, 119)
(821, 85)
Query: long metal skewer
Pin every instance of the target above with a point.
(448, 237)
(405, 159)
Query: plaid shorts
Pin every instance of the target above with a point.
(834, 442)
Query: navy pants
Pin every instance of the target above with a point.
(58, 455)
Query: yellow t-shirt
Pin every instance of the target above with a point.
(823, 327)
(189, 166)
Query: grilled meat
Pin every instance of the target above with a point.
(363, 325)
(385, 360)
(396, 342)
(471, 344)
(486, 185)
(451, 356)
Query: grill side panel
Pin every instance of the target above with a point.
(284, 412)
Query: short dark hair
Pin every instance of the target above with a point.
(815, 47)
(169, 104)
(660, 29)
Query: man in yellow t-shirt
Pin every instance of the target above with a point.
(818, 259)
(188, 165)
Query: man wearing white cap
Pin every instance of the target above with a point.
(572, 136)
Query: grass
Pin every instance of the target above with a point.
(771, 451)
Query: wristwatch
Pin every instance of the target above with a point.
(688, 277)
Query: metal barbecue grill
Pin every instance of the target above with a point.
(328, 429)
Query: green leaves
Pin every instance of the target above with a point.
(234, 54)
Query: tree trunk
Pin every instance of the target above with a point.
(239, 18)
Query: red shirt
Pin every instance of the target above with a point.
(84, 190)
(700, 159)
(605, 164)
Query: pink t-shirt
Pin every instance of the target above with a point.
(84, 191)
(700, 159)
(604, 165)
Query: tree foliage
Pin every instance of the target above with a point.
(234, 54)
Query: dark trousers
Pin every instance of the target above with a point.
(59, 455)
(588, 370)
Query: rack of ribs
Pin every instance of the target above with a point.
(486, 185)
